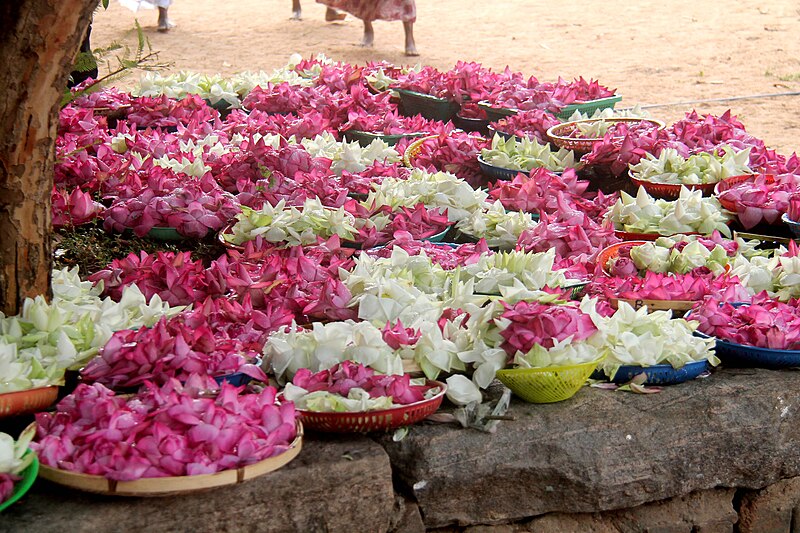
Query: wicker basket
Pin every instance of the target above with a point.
(430, 107)
(382, 420)
(414, 149)
(547, 384)
(558, 134)
(729, 183)
(589, 107)
(611, 252)
(670, 191)
(166, 486)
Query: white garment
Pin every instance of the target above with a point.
(135, 5)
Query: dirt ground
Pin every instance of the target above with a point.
(652, 52)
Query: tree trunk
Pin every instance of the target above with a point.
(38, 43)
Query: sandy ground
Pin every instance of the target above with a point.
(652, 52)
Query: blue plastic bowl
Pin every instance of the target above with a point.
(657, 374)
(438, 237)
(237, 379)
(498, 173)
(794, 226)
(741, 355)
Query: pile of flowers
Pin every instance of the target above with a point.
(14, 459)
(348, 387)
(170, 430)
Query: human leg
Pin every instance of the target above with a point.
(411, 47)
(369, 34)
(164, 24)
(297, 11)
(331, 15)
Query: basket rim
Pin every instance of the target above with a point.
(551, 132)
(676, 186)
(788, 221)
(611, 251)
(378, 412)
(543, 369)
(409, 92)
(766, 351)
(412, 148)
(482, 161)
(139, 487)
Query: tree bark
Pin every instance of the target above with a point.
(38, 43)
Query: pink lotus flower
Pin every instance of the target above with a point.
(533, 124)
(545, 325)
(172, 430)
(537, 192)
(451, 151)
(764, 323)
(347, 375)
(444, 255)
(173, 348)
(74, 209)
(174, 277)
(694, 285)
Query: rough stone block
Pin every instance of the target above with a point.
(775, 509)
(605, 450)
(336, 484)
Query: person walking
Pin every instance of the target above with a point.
(371, 10)
(331, 15)
(164, 23)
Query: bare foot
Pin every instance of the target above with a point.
(369, 35)
(411, 47)
(296, 15)
(165, 25)
(331, 15)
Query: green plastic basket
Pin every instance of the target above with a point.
(547, 384)
(430, 107)
(589, 107)
(23, 485)
(496, 113)
(165, 234)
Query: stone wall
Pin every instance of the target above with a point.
(715, 455)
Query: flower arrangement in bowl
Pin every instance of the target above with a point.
(655, 344)
(763, 333)
(18, 467)
(390, 127)
(757, 198)
(193, 210)
(581, 135)
(645, 218)
(172, 348)
(670, 273)
(165, 439)
(351, 397)
(555, 348)
(665, 175)
(505, 158)
(534, 124)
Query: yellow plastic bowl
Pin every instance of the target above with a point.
(547, 384)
